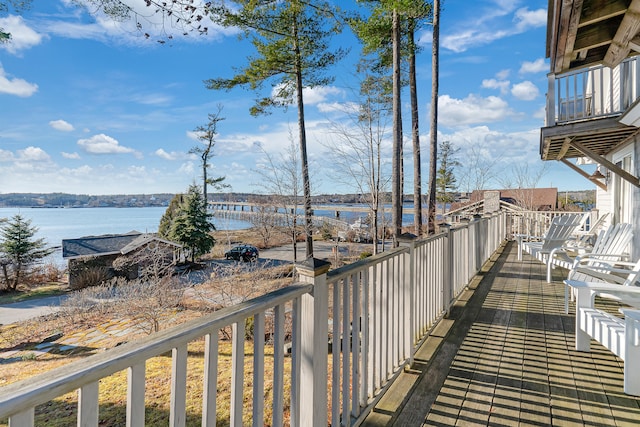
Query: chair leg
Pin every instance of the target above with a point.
(632, 357)
(583, 339)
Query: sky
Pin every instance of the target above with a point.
(89, 105)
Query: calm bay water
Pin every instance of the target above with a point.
(56, 224)
(71, 223)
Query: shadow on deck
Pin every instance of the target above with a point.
(506, 356)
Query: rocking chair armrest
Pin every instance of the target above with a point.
(599, 287)
(610, 259)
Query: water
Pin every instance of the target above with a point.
(57, 224)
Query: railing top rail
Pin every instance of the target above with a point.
(425, 240)
(466, 207)
(349, 269)
(28, 393)
(589, 69)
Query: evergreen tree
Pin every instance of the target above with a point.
(293, 51)
(191, 226)
(19, 249)
(446, 183)
(164, 229)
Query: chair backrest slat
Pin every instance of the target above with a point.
(560, 230)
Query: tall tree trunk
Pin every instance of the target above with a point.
(306, 185)
(204, 182)
(433, 155)
(396, 179)
(415, 132)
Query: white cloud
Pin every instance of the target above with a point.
(537, 66)
(34, 154)
(471, 110)
(319, 94)
(174, 155)
(503, 74)
(22, 36)
(502, 85)
(15, 86)
(6, 156)
(494, 153)
(72, 156)
(187, 169)
(61, 125)
(341, 107)
(525, 91)
(526, 19)
(103, 144)
(491, 27)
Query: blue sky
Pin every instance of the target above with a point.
(91, 106)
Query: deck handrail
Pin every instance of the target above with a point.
(373, 314)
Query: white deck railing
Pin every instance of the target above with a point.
(372, 315)
(592, 92)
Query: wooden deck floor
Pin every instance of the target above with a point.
(505, 357)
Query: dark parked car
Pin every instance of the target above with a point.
(245, 253)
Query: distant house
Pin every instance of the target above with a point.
(102, 251)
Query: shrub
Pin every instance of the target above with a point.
(93, 276)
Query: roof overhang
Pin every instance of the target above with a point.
(581, 33)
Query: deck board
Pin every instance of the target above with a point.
(509, 359)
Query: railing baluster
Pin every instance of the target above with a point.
(377, 324)
(356, 372)
(278, 365)
(386, 314)
(296, 351)
(335, 356)
(237, 372)
(258, 369)
(364, 372)
(210, 391)
(88, 405)
(178, 411)
(22, 419)
(135, 395)
(347, 333)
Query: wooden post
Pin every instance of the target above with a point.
(314, 337)
(551, 100)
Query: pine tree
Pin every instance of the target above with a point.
(166, 222)
(293, 51)
(191, 226)
(19, 249)
(446, 183)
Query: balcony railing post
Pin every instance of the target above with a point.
(314, 336)
(551, 100)
(408, 240)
